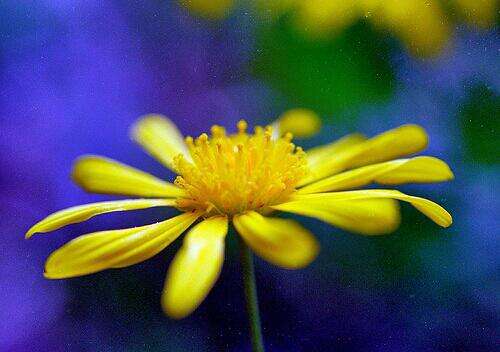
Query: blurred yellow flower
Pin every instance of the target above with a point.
(422, 25)
(213, 9)
(241, 178)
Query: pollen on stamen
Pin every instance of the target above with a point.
(217, 131)
(242, 126)
(234, 173)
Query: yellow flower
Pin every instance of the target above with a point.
(213, 9)
(422, 25)
(241, 178)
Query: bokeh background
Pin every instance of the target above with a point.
(74, 75)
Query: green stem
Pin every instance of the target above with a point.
(251, 296)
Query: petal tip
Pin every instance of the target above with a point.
(78, 169)
(416, 127)
(447, 222)
(419, 133)
(51, 275)
(451, 175)
(172, 311)
(47, 275)
(301, 122)
(55, 270)
(446, 170)
(54, 276)
(137, 128)
(302, 262)
(314, 252)
(32, 231)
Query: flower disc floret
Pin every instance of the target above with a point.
(231, 174)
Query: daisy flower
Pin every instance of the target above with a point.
(242, 179)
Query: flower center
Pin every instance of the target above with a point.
(230, 174)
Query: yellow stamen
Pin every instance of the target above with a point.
(231, 174)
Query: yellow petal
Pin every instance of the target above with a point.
(421, 25)
(280, 241)
(302, 123)
(319, 18)
(306, 204)
(367, 216)
(318, 154)
(102, 175)
(195, 268)
(81, 213)
(401, 141)
(160, 137)
(116, 248)
(421, 169)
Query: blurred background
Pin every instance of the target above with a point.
(74, 75)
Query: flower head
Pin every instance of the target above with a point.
(241, 178)
(230, 175)
(423, 26)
